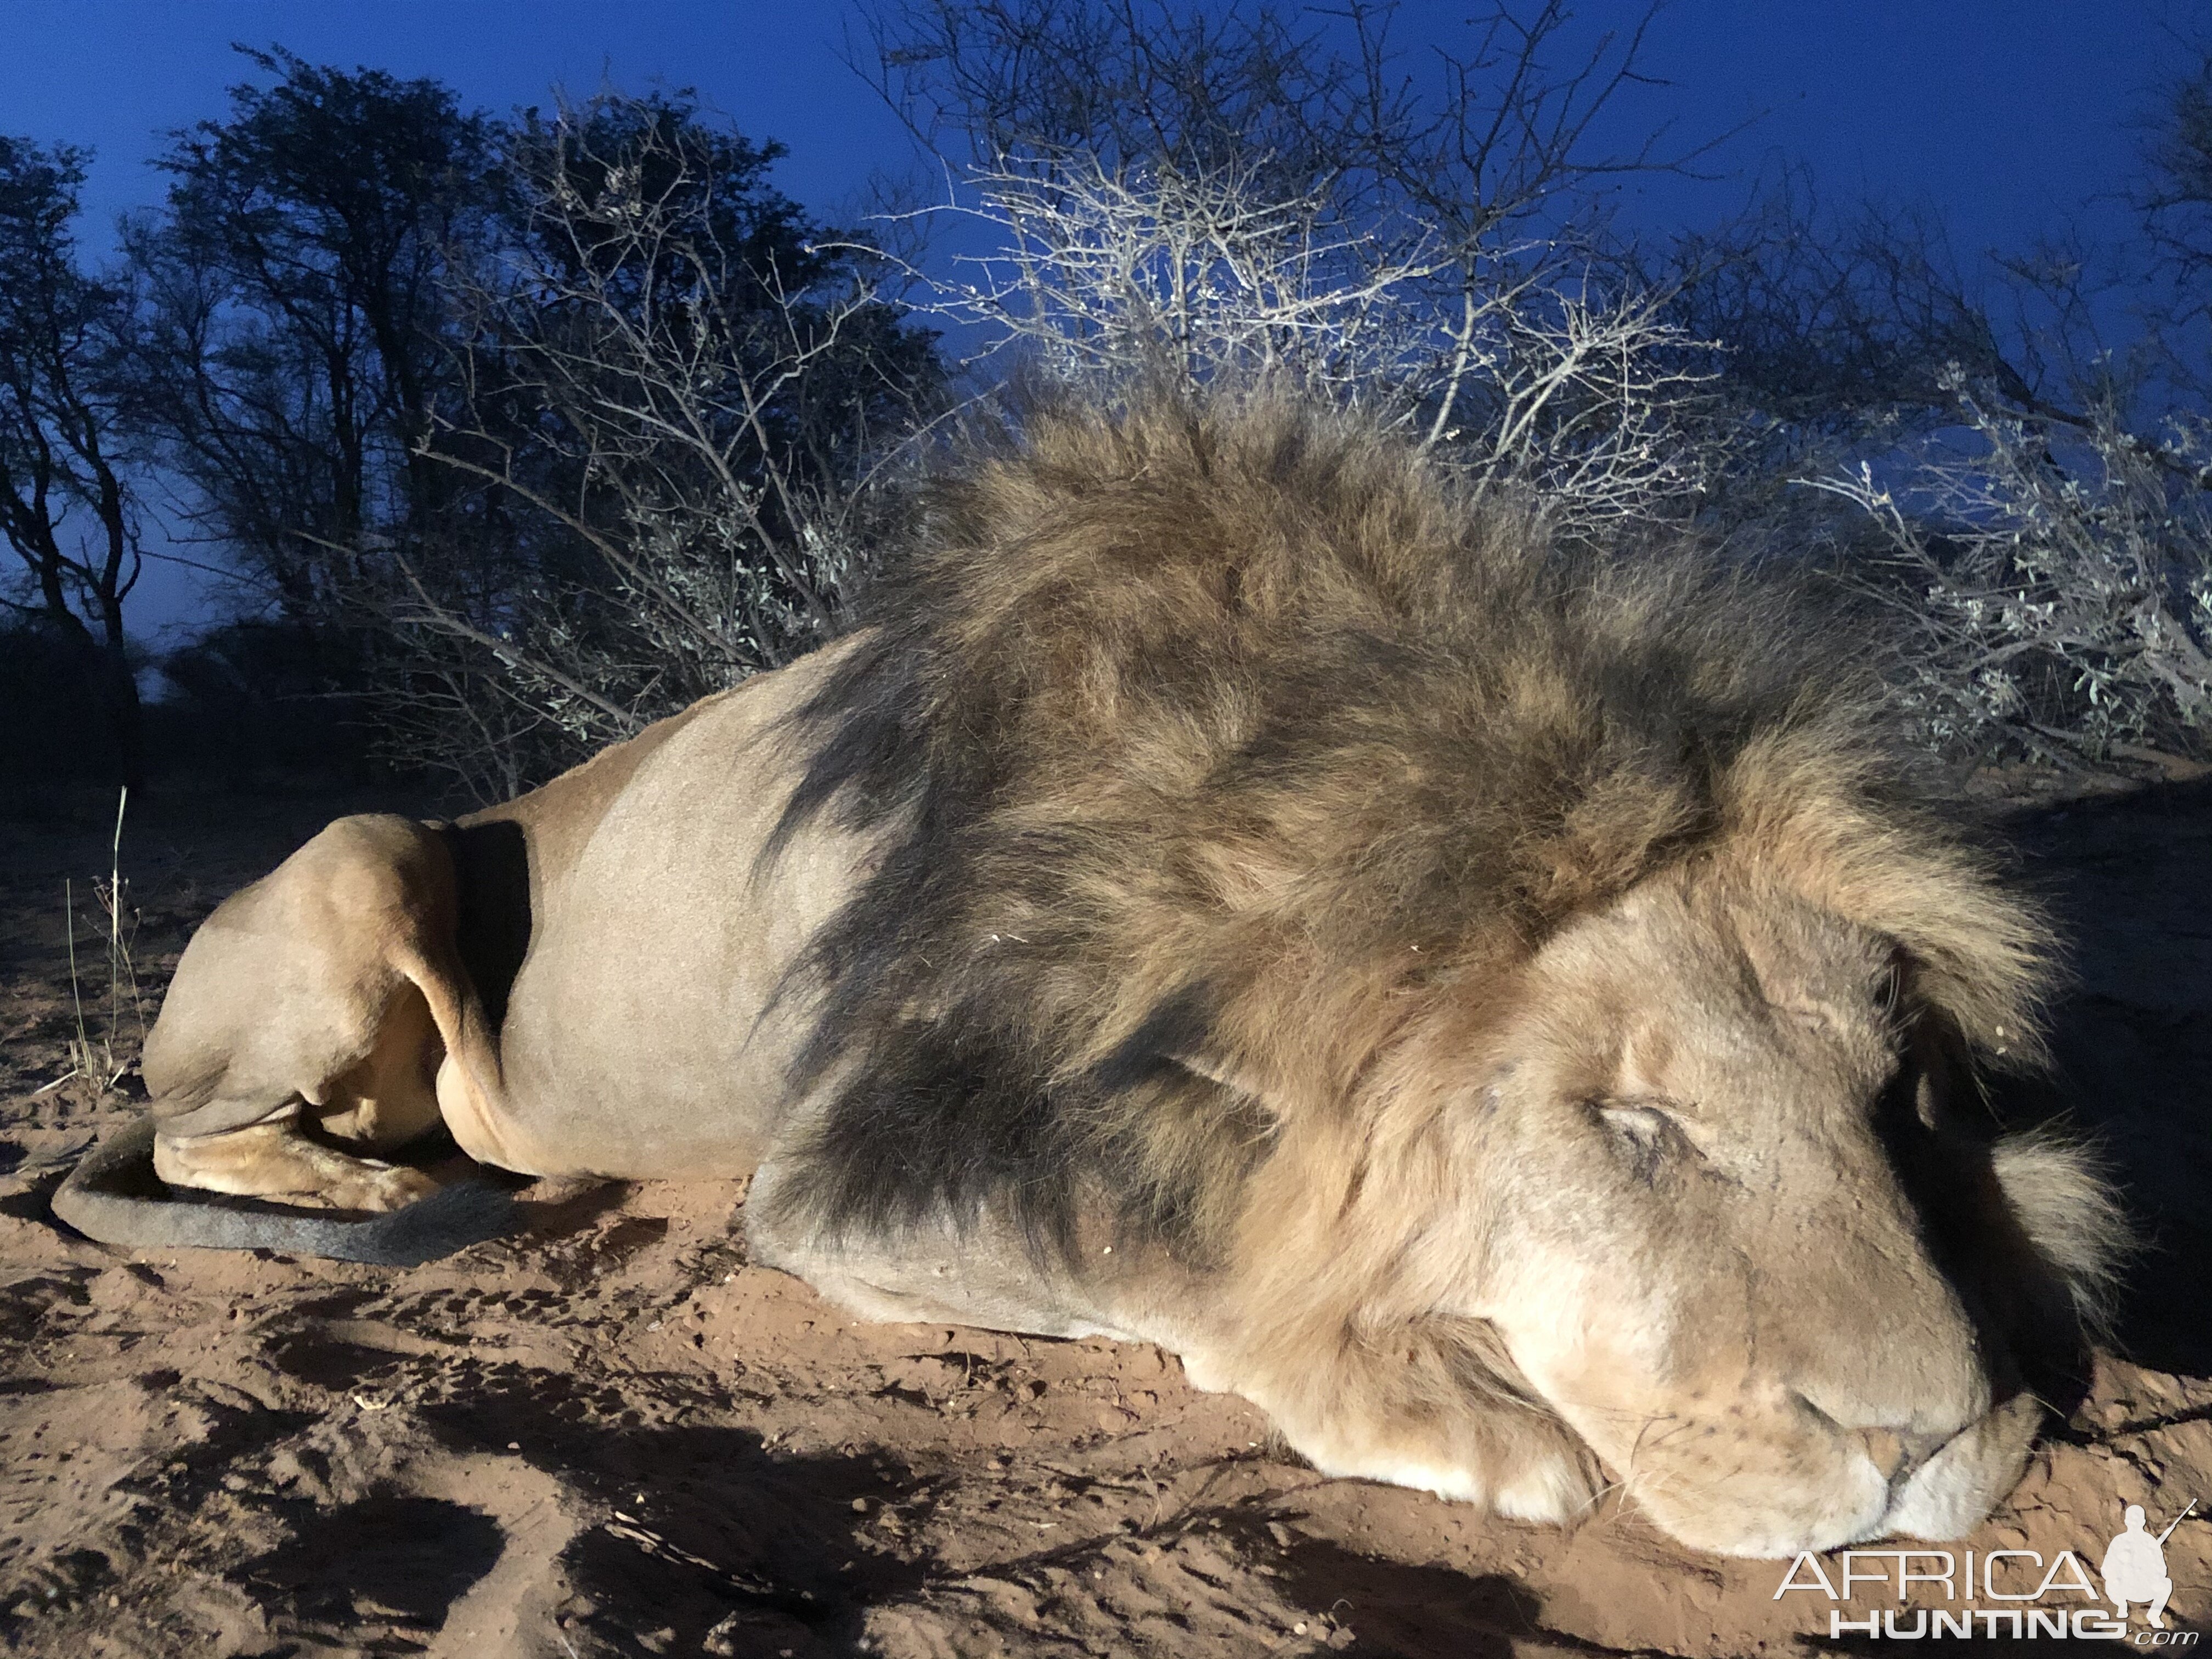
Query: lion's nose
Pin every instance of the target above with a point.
(1896, 1453)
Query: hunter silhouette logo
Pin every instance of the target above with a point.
(2134, 1568)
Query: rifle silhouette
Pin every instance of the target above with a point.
(2176, 1521)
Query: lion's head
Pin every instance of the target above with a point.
(1723, 1184)
(1435, 947)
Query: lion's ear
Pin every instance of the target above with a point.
(1991, 985)
(1938, 1065)
(1939, 1081)
(1944, 1042)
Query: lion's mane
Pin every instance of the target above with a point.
(1214, 740)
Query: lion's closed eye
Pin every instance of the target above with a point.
(1643, 1134)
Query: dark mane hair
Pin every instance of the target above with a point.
(1216, 739)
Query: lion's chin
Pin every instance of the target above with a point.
(1845, 1514)
(1948, 1496)
(1944, 1498)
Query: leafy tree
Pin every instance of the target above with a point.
(530, 424)
(290, 342)
(66, 507)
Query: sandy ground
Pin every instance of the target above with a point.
(613, 1435)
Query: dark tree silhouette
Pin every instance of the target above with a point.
(291, 343)
(65, 504)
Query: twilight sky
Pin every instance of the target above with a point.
(2005, 116)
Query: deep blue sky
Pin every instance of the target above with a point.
(2006, 116)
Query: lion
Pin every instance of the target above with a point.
(1494, 1000)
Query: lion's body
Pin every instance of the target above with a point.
(1474, 997)
(595, 1009)
(638, 1039)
